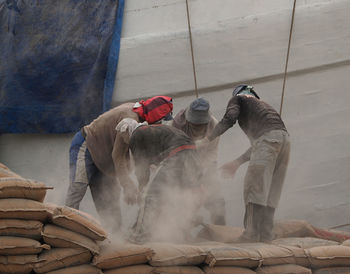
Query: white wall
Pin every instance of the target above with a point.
(233, 41)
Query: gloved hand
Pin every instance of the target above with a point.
(229, 169)
(130, 193)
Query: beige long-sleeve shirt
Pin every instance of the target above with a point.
(108, 149)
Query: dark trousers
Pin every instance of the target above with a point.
(258, 223)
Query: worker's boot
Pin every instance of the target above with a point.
(266, 229)
(252, 220)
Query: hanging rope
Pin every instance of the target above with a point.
(190, 36)
(287, 58)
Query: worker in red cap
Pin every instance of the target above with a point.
(99, 158)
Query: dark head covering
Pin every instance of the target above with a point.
(239, 89)
(198, 112)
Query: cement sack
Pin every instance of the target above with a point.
(13, 187)
(331, 234)
(293, 228)
(114, 255)
(303, 242)
(327, 256)
(58, 258)
(17, 264)
(3, 166)
(271, 254)
(80, 269)
(80, 222)
(167, 254)
(233, 256)
(21, 228)
(20, 246)
(134, 269)
(60, 237)
(333, 270)
(6, 172)
(206, 246)
(299, 255)
(177, 270)
(23, 209)
(227, 270)
(220, 233)
(283, 269)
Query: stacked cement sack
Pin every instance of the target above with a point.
(40, 237)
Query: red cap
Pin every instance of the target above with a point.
(154, 109)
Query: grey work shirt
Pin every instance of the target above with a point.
(254, 116)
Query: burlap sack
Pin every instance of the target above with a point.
(58, 258)
(134, 269)
(206, 246)
(283, 269)
(114, 255)
(3, 166)
(293, 228)
(331, 234)
(333, 270)
(233, 256)
(14, 187)
(177, 270)
(80, 269)
(23, 209)
(20, 246)
(220, 233)
(303, 242)
(21, 228)
(60, 237)
(80, 222)
(327, 256)
(17, 264)
(346, 243)
(299, 254)
(227, 270)
(6, 172)
(167, 254)
(271, 254)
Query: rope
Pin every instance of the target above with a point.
(339, 226)
(287, 58)
(192, 55)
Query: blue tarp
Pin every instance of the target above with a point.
(58, 62)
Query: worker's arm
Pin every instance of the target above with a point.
(142, 171)
(141, 161)
(229, 118)
(121, 159)
(229, 169)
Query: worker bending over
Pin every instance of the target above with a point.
(178, 174)
(99, 158)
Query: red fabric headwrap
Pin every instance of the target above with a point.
(154, 109)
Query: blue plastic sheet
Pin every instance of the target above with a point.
(58, 62)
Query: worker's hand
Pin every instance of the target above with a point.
(130, 193)
(229, 169)
(202, 143)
